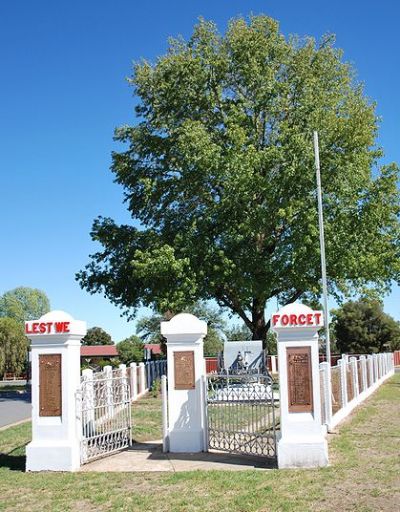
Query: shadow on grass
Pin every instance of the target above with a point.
(14, 462)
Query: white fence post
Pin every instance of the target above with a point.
(342, 364)
(107, 371)
(354, 376)
(370, 366)
(327, 387)
(273, 364)
(364, 382)
(142, 379)
(164, 397)
(375, 364)
(133, 379)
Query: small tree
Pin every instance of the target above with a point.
(24, 303)
(131, 350)
(97, 336)
(13, 346)
(363, 327)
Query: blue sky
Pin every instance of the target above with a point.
(63, 91)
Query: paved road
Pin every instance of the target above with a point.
(14, 407)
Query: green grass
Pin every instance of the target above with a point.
(363, 476)
(147, 419)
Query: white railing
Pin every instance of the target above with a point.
(349, 383)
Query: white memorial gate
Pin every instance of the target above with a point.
(77, 418)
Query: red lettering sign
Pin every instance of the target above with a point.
(309, 319)
(46, 327)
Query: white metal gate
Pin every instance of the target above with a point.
(241, 414)
(105, 414)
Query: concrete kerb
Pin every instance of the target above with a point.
(15, 424)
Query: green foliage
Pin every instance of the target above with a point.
(238, 333)
(156, 388)
(97, 336)
(131, 350)
(363, 327)
(13, 346)
(148, 328)
(23, 304)
(219, 172)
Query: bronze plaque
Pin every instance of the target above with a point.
(299, 379)
(50, 385)
(184, 370)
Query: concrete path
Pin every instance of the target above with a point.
(149, 457)
(14, 407)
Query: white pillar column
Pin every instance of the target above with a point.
(56, 431)
(302, 442)
(273, 364)
(133, 379)
(370, 366)
(342, 364)
(364, 382)
(375, 361)
(354, 376)
(142, 379)
(186, 374)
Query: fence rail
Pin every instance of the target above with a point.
(350, 382)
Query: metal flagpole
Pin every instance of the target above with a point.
(322, 245)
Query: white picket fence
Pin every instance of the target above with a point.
(350, 382)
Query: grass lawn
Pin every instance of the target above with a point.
(364, 475)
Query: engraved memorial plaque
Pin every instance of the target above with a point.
(299, 379)
(184, 370)
(50, 385)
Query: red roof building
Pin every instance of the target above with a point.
(154, 347)
(99, 351)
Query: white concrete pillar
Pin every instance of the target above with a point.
(364, 382)
(133, 380)
(56, 432)
(343, 382)
(142, 379)
(354, 376)
(370, 365)
(375, 361)
(186, 374)
(273, 364)
(302, 442)
(327, 386)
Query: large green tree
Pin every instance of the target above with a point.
(219, 178)
(24, 303)
(97, 336)
(13, 346)
(363, 327)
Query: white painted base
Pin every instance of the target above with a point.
(52, 456)
(186, 441)
(310, 454)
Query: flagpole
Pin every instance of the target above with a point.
(322, 246)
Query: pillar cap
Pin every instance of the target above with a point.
(55, 323)
(184, 323)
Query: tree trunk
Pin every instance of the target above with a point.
(260, 328)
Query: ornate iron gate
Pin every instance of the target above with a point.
(241, 414)
(105, 406)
